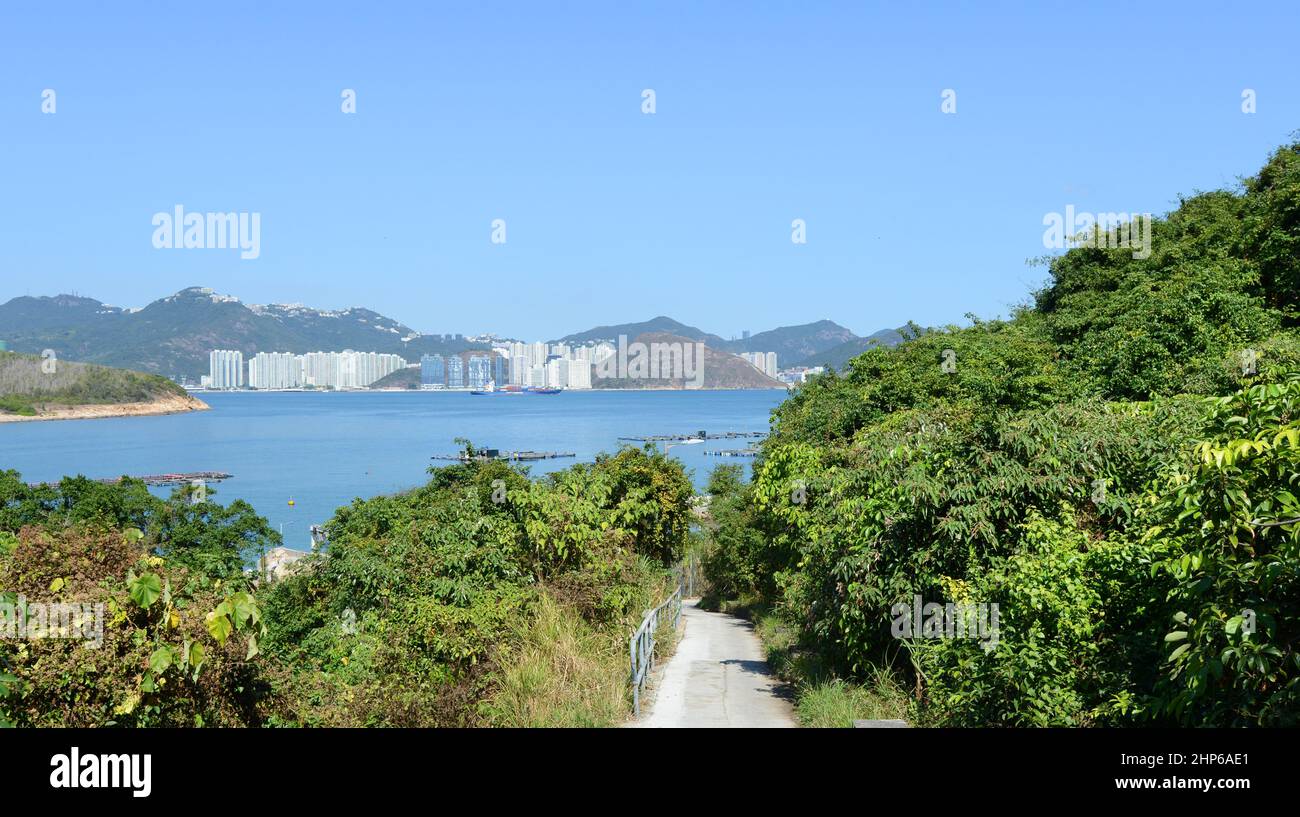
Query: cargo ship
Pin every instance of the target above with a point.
(513, 389)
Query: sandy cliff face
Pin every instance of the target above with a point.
(170, 404)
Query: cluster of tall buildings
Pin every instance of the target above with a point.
(557, 365)
(538, 364)
(225, 370)
(284, 370)
(466, 370)
(765, 362)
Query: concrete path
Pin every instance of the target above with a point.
(717, 678)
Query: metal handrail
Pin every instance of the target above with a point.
(642, 645)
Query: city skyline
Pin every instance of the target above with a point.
(348, 369)
(534, 365)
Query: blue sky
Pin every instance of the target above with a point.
(531, 113)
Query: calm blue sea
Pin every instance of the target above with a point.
(321, 450)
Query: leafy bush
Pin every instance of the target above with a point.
(1072, 638)
(175, 648)
(1053, 467)
(430, 605)
(1226, 528)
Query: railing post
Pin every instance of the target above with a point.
(641, 646)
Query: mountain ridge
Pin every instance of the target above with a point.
(173, 335)
(837, 357)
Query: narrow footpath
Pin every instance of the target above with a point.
(717, 678)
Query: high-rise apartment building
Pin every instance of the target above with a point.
(519, 368)
(557, 373)
(455, 372)
(537, 375)
(433, 372)
(579, 374)
(275, 370)
(226, 369)
(478, 371)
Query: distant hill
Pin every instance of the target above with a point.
(793, 343)
(174, 335)
(32, 387)
(722, 370)
(662, 325)
(838, 357)
(27, 314)
(408, 378)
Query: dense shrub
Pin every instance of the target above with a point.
(1226, 531)
(426, 610)
(1129, 538)
(414, 617)
(175, 646)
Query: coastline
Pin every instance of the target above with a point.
(175, 404)
(467, 391)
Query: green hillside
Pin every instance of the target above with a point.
(28, 383)
(837, 357)
(173, 336)
(795, 343)
(1115, 467)
(408, 378)
(660, 325)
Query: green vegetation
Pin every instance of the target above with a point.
(1114, 467)
(29, 383)
(481, 598)
(180, 623)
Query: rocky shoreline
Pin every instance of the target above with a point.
(171, 404)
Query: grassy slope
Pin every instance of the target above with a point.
(26, 387)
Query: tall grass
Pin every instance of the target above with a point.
(836, 704)
(822, 700)
(559, 671)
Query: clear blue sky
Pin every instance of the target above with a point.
(531, 112)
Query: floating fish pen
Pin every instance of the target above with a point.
(489, 454)
(699, 435)
(732, 452)
(158, 479)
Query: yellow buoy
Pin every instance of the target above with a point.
(291, 503)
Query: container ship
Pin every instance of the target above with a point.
(513, 389)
